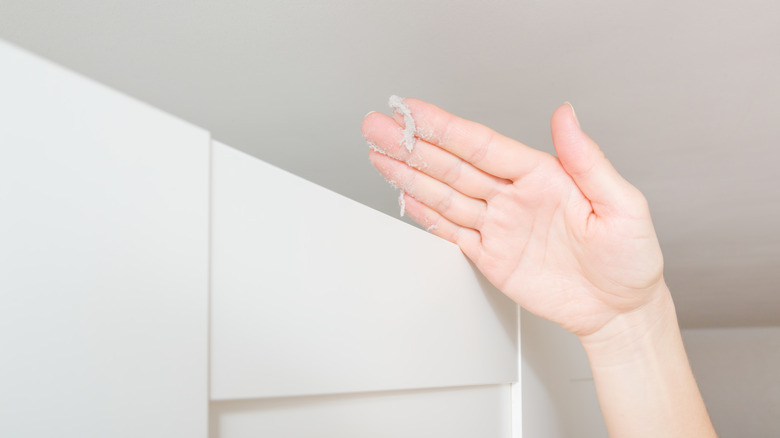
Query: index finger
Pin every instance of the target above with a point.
(475, 143)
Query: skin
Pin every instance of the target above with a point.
(565, 237)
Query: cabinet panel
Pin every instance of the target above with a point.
(103, 260)
(313, 293)
(479, 411)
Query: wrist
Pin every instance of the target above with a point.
(641, 373)
(632, 336)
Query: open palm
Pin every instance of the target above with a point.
(566, 237)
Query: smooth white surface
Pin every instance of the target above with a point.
(559, 396)
(738, 372)
(103, 260)
(314, 293)
(479, 411)
(681, 94)
(517, 387)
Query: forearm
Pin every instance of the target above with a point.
(642, 375)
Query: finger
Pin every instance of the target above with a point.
(608, 192)
(477, 144)
(386, 137)
(467, 239)
(455, 206)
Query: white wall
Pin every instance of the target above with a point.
(738, 372)
(559, 397)
(737, 369)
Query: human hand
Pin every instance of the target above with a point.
(565, 237)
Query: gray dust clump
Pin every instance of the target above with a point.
(402, 203)
(397, 104)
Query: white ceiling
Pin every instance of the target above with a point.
(683, 96)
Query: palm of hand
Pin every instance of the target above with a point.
(559, 260)
(525, 221)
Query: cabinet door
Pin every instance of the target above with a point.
(332, 319)
(313, 293)
(103, 260)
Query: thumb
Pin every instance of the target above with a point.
(609, 193)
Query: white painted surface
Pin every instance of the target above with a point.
(738, 372)
(681, 94)
(103, 260)
(314, 293)
(517, 387)
(480, 411)
(559, 396)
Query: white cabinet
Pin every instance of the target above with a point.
(460, 412)
(103, 260)
(332, 319)
(313, 293)
(156, 283)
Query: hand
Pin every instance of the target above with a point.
(565, 237)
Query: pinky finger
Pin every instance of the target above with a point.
(469, 240)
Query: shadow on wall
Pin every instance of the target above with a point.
(556, 376)
(738, 372)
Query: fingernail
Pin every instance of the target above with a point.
(573, 113)
(368, 114)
